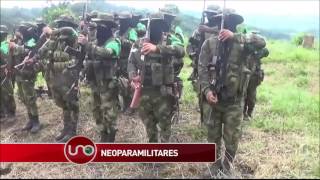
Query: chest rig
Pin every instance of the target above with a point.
(229, 75)
(158, 68)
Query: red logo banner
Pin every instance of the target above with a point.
(82, 150)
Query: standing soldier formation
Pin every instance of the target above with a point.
(124, 52)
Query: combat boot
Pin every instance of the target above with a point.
(108, 136)
(72, 130)
(35, 124)
(228, 160)
(29, 124)
(66, 120)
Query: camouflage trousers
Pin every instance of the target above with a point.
(250, 100)
(105, 104)
(156, 112)
(125, 92)
(224, 121)
(65, 94)
(7, 102)
(27, 95)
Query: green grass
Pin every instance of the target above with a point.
(283, 51)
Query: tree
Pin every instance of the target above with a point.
(51, 13)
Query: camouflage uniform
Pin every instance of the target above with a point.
(157, 100)
(175, 37)
(193, 47)
(7, 102)
(228, 110)
(62, 79)
(26, 75)
(101, 68)
(256, 78)
(128, 35)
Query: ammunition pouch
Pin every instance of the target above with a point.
(60, 66)
(158, 71)
(61, 56)
(101, 70)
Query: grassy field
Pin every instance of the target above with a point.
(281, 141)
(288, 107)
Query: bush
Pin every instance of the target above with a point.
(298, 39)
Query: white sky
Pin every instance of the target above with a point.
(275, 7)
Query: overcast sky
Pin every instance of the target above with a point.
(274, 7)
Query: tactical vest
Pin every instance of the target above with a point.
(159, 70)
(177, 62)
(60, 59)
(99, 69)
(237, 73)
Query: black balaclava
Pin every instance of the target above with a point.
(3, 36)
(124, 25)
(213, 21)
(156, 29)
(168, 19)
(103, 34)
(28, 33)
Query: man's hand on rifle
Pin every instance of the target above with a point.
(148, 48)
(204, 28)
(12, 45)
(212, 97)
(225, 34)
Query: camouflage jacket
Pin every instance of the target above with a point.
(158, 66)
(126, 42)
(237, 72)
(194, 46)
(101, 63)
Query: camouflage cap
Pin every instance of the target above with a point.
(67, 33)
(234, 17)
(26, 26)
(40, 21)
(67, 19)
(94, 14)
(171, 10)
(105, 18)
(4, 29)
(125, 15)
(213, 9)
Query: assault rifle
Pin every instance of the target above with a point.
(138, 84)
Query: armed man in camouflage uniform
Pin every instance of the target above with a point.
(151, 64)
(203, 32)
(174, 34)
(7, 102)
(26, 73)
(62, 74)
(224, 77)
(256, 78)
(101, 68)
(128, 35)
